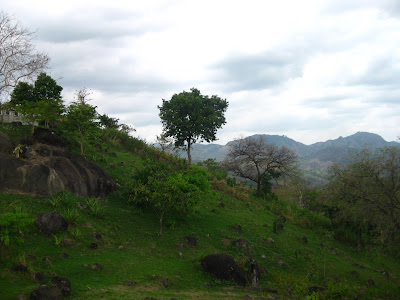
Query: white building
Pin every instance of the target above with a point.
(10, 116)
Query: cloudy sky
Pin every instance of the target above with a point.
(312, 70)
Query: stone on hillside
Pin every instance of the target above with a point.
(21, 297)
(46, 292)
(27, 140)
(333, 251)
(243, 243)
(179, 245)
(304, 239)
(38, 276)
(238, 228)
(190, 240)
(130, 282)
(223, 267)
(43, 151)
(48, 137)
(26, 152)
(164, 282)
(253, 271)
(63, 284)
(93, 246)
(50, 222)
(68, 242)
(96, 266)
(270, 241)
(97, 236)
(279, 226)
(6, 144)
(370, 283)
(282, 219)
(19, 266)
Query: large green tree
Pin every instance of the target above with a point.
(41, 101)
(190, 117)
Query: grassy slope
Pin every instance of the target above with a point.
(290, 265)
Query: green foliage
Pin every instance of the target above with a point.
(214, 168)
(190, 116)
(80, 124)
(167, 190)
(71, 214)
(10, 226)
(95, 207)
(108, 122)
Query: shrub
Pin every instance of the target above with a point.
(10, 226)
(95, 207)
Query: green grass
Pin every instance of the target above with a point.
(289, 264)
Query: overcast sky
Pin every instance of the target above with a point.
(312, 70)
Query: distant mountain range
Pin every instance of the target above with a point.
(315, 159)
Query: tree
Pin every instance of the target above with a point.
(257, 161)
(41, 101)
(190, 117)
(80, 121)
(18, 58)
(167, 190)
(365, 194)
(108, 122)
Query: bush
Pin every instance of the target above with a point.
(10, 226)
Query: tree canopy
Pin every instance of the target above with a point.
(257, 161)
(190, 117)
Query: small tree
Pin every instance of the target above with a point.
(190, 117)
(165, 190)
(257, 161)
(80, 121)
(18, 58)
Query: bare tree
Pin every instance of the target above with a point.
(255, 160)
(18, 58)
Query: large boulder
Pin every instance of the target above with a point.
(63, 284)
(50, 222)
(223, 267)
(50, 170)
(46, 292)
(49, 137)
(6, 145)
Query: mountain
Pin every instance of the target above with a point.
(315, 159)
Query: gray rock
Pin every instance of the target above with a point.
(190, 240)
(38, 276)
(20, 267)
(223, 267)
(51, 222)
(63, 284)
(164, 282)
(243, 243)
(46, 292)
(6, 144)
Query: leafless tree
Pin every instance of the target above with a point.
(18, 58)
(82, 96)
(254, 159)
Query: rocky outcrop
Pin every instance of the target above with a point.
(6, 145)
(50, 222)
(223, 267)
(52, 169)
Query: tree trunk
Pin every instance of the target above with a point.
(32, 128)
(82, 152)
(188, 153)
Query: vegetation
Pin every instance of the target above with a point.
(190, 116)
(131, 249)
(257, 161)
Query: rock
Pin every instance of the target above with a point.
(6, 144)
(47, 175)
(48, 137)
(64, 255)
(370, 283)
(68, 242)
(164, 282)
(31, 257)
(358, 266)
(87, 224)
(281, 263)
(355, 273)
(26, 152)
(333, 251)
(93, 246)
(96, 266)
(130, 282)
(279, 226)
(226, 242)
(190, 240)
(121, 247)
(20, 267)
(304, 239)
(238, 228)
(46, 292)
(38, 276)
(43, 151)
(111, 165)
(223, 267)
(27, 140)
(46, 260)
(51, 222)
(253, 271)
(263, 256)
(270, 241)
(21, 297)
(97, 236)
(63, 284)
(122, 164)
(244, 244)
(282, 219)
(179, 245)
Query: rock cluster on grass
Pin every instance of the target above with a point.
(61, 288)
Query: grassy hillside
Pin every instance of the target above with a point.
(131, 249)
